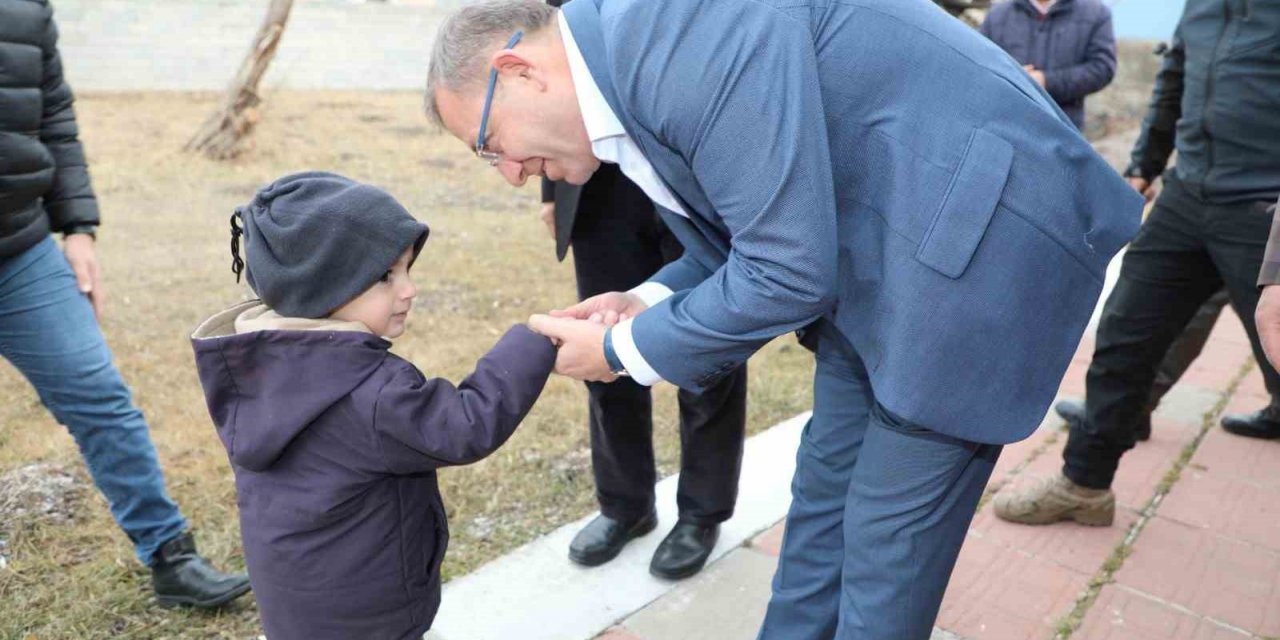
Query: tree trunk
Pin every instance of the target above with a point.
(226, 134)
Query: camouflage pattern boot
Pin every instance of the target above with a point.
(1055, 499)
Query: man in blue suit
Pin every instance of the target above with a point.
(871, 169)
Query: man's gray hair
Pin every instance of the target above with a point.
(466, 40)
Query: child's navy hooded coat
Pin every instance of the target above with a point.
(334, 442)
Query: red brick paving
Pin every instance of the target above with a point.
(1124, 614)
(1184, 580)
(1213, 575)
(1000, 593)
(769, 542)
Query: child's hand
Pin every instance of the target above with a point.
(580, 346)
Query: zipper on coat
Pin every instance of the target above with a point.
(1210, 82)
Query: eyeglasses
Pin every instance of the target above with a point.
(482, 153)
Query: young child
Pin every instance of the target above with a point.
(334, 440)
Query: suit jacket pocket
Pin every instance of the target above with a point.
(967, 207)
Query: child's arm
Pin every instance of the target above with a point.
(424, 424)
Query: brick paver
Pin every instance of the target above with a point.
(1213, 575)
(1123, 614)
(769, 542)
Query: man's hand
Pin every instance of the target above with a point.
(580, 347)
(1036, 74)
(83, 259)
(548, 217)
(607, 308)
(1267, 317)
(1143, 186)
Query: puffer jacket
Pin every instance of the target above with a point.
(1217, 101)
(44, 183)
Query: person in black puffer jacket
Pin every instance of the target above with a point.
(49, 300)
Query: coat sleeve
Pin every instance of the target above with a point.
(70, 201)
(743, 108)
(1094, 72)
(1270, 273)
(424, 424)
(1157, 137)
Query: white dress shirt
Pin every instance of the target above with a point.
(610, 143)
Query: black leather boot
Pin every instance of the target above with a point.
(1263, 424)
(603, 538)
(181, 577)
(684, 551)
(1073, 411)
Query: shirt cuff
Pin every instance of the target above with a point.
(652, 293)
(625, 346)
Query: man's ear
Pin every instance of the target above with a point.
(511, 65)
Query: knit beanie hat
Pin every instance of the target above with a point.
(315, 240)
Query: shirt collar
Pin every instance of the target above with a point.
(597, 115)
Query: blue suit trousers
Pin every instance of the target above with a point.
(880, 508)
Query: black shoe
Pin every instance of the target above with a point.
(1263, 424)
(1073, 411)
(603, 538)
(181, 577)
(684, 551)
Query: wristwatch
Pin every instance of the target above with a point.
(611, 356)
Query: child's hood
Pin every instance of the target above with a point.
(266, 378)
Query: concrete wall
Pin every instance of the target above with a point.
(130, 45)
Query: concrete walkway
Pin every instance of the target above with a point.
(1194, 554)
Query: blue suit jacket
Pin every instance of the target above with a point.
(872, 162)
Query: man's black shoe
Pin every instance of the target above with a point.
(684, 551)
(603, 538)
(181, 577)
(1073, 411)
(1263, 424)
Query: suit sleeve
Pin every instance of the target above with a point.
(1157, 137)
(424, 424)
(70, 201)
(743, 107)
(693, 266)
(1270, 273)
(1093, 73)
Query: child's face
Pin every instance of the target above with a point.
(385, 306)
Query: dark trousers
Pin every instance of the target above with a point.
(618, 242)
(1186, 251)
(1187, 347)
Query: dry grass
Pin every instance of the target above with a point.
(164, 247)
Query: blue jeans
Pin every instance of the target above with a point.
(879, 510)
(48, 331)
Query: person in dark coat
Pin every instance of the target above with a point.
(51, 300)
(1068, 46)
(619, 240)
(334, 440)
